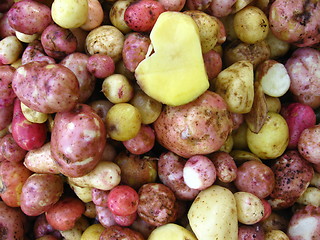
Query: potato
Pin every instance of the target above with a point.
(29, 17)
(40, 192)
(208, 29)
(5, 116)
(235, 85)
(35, 52)
(116, 15)
(251, 25)
(278, 48)
(93, 232)
(250, 209)
(95, 15)
(105, 39)
(214, 221)
(276, 235)
(46, 88)
(6, 91)
(311, 196)
(26, 38)
(302, 67)
(105, 176)
(221, 8)
(171, 231)
(293, 175)
(78, 139)
(69, 13)
(10, 50)
(255, 53)
(76, 232)
(32, 115)
(40, 160)
(254, 231)
(272, 139)
(83, 193)
(117, 88)
(199, 127)
(273, 104)
(10, 150)
(12, 222)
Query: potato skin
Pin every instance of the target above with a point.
(46, 88)
(40, 192)
(199, 127)
(77, 141)
(293, 174)
(308, 144)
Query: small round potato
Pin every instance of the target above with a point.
(249, 207)
(251, 25)
(272, 139)
(105, 39)
(32, 115)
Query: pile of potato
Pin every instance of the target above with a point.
(181, 119)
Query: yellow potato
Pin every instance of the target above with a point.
(93, 232)
(75, 233)
(273, 138)
(32, 115)
(251, 25)
(213, 214)
(69, 13)
(250, 208)
(273, 104)
(235, 85)
(276, 235)
(83, 193)
(171, 231)
(311, 196)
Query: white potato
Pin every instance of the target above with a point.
(25, 37)
(235, 85)
(272, 139)
(171, 231)
(83, 193)
(69, 13)
(116, 15)
(276, 235)
(32, 115)
(10, 50)
(213, 214)
(105, 176)
(250, 208)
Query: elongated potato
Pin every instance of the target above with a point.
(235, 85)
(171, 231)
(213, 214)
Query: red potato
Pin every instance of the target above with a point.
(100, 65)
(225, 166)
(173, 5)
(27, 135)
(267, 209)
(298, 117)
(120, 233)
(221, 8)
(40, 192)
(295, 21)
(157, 204)
(170, 171)
(141, 15)
(5, 28)
(199, 127)
(6, 92)
(77, 141)
(10, 150)
(42, 228)
(125, 221)
(303, 66)
(134, 50)
(250, 232)
(308, 144)
(293, 174)
(95, 15)
(136, 170)
(256, 178)
(143, 142)
(213, 63)
(35, 52)
(200, 5)
(105, 216)
(123, 200)
(58, 42)
(305, 224)
(29, 16)
(77, 63)
(63, 214)
(6, 114)
(101, 107)
(13, 176)
(142, 227)
(100, 197)
(46, 88)
(12, 222)
(199, 172)
(40, 160)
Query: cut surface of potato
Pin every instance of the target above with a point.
(175, 73)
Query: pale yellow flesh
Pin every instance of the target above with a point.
(175, 73)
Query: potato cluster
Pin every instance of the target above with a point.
(159, 119)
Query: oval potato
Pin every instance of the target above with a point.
(171, 231)
(213, 214)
